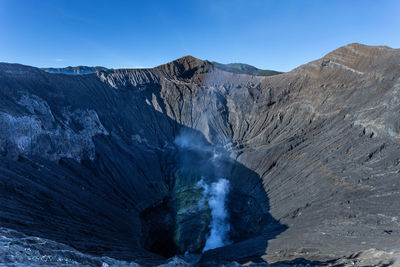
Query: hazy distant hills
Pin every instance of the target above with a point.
(240, 68)
(237, 68)
(75, 70)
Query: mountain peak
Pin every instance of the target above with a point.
(183, 67)
(189, 59)
(356, 58)
(188, 62)
(357, 49)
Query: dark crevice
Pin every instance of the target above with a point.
(158, 225)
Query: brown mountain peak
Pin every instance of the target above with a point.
(183, 67)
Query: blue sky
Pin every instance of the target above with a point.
(269, 34)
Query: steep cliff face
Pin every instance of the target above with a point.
(110, 162)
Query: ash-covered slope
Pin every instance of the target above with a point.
(109, 163)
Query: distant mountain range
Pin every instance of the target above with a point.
(240, 68)
(75, 70)
(237, 68)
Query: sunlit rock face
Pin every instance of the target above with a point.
(121, 163)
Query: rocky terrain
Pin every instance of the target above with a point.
(115, 166)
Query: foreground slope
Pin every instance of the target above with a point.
(312, 155)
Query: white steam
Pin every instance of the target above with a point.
(219, 226)
(215, 193)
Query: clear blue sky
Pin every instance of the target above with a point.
(269, 34)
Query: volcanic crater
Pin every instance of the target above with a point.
(123, 163)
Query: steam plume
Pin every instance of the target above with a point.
(214, 193)
(219, 226)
